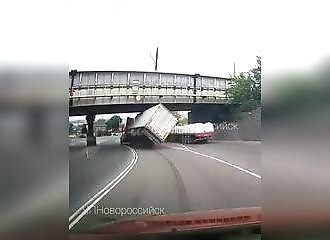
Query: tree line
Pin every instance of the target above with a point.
(245, 90)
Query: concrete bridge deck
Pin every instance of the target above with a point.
(93, 89)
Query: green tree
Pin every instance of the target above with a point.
(245, 91)
(113, 123)
(255, 75)
(181, 119)
(71, 128)
(177, 115)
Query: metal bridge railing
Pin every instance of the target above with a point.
(110, 84)
(147, 94)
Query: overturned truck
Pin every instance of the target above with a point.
(149, 127)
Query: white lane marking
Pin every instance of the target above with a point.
(182, 147)
(185, 147)
(179, 148)
(222, 161)
(77, 215)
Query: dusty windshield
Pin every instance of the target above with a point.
(165, 118)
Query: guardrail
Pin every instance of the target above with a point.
(142, 94)
(86, 79)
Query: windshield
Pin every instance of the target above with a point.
(180, 136)
(144, 118)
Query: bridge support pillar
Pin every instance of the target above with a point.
(91, 139)
(190, 121)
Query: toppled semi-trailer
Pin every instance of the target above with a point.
(192, 133)
(150, 127)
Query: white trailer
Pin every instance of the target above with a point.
(150, 127)
(197, 132)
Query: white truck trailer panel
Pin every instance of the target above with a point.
(193, 132)
(158, 122)
(208, 127)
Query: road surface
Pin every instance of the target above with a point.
(173, 177)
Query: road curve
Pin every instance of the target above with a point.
(177, 180)
(91, 169)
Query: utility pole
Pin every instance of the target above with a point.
(194, 91)
(234, 69)
(156, 64)
(72, 73)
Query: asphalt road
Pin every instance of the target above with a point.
(172, 177)
(93, 167)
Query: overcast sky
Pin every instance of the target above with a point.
(193, 37)
(204, 37)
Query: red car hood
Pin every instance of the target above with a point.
(184, 221)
